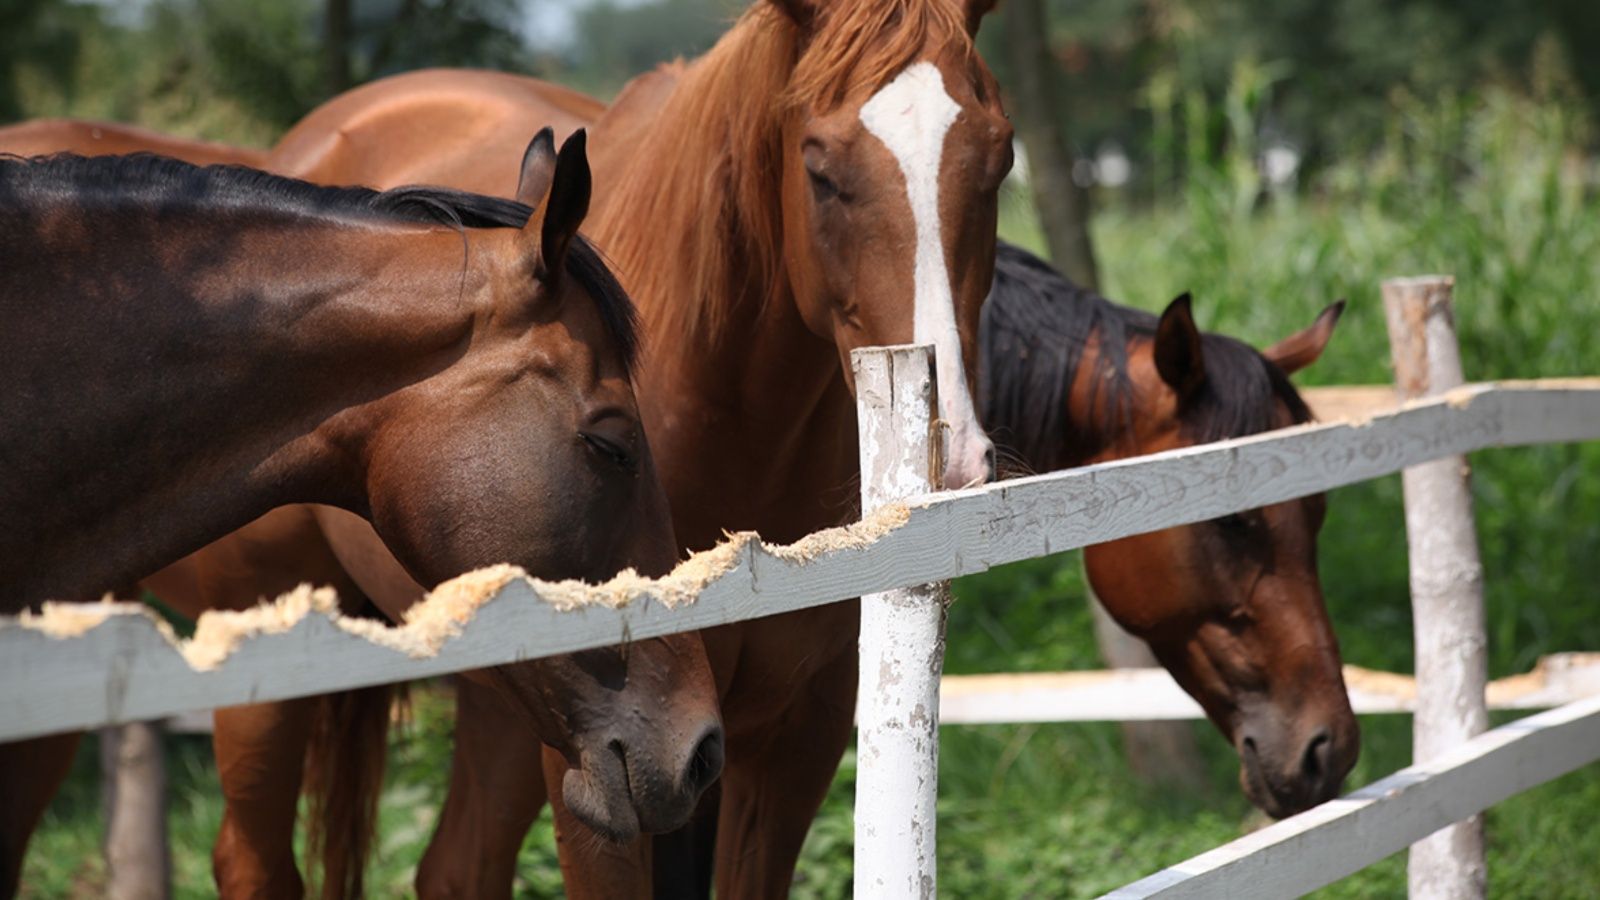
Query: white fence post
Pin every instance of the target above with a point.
(1446, 583)
(902, 637)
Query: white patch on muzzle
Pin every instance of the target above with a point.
(911, 116)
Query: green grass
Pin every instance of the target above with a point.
(1490, 191)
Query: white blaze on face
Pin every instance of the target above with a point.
(911, 116)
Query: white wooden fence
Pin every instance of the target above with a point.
(88, 665)
(120, 664)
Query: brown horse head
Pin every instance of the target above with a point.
(551, 334)
(1238, 617)
(1233, 607)
(638, 723)
(892, 154)
(453, 367)
(854, 152)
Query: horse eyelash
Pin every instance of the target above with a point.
(823, 187)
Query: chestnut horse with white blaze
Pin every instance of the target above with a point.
(825, 178)
(455, 368)
(1232, 608)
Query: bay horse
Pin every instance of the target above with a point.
(1233, 607)
(196, 346)
(824, 178)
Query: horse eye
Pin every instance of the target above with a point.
(1233, 522)
(1239, 618)
(821, 187)
(613, 452)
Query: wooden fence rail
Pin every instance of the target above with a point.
(95, 664)
(1150, 695)
(1342, 836)
(1124, 695)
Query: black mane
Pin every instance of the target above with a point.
(163, 183)
(1035, 327)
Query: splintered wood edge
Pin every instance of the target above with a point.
(77, 665)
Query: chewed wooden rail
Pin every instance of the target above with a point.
(84, 665)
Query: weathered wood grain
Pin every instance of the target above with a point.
(902, 638)
(126, 669)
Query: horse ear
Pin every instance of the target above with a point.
(976, 10)
(1177, 351)
(801, 12)
(565, 206)
(538, 168)
(1302, 348)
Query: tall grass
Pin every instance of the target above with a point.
(1490, 188)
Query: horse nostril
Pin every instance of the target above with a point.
(1315, 762)
(989, 463)
(705, 764)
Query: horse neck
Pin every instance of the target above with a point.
(688, 205)
(688, 174)
(1100, 412)
(248, 381)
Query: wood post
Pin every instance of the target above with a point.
(902, 637)
(134, 784)
(1446, 583)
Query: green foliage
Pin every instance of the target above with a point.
(1336, 65)
(617, 41)
(240, 71)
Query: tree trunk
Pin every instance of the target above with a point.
(1063, 206)
(134, 783)
(1446, 584)
(336, 47)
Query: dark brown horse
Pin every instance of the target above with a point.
(1233, 607)
(194, 346)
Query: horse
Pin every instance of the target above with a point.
(825, 178)
(41, 137)
(1233, 607)
(455, 368)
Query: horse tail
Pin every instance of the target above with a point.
(344, 775)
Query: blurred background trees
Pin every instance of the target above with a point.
(1151, 81)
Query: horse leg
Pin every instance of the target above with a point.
(31, 772)
(260, 752)
(684, 861)
(591, 866)
(496, 792)
(775, 781)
